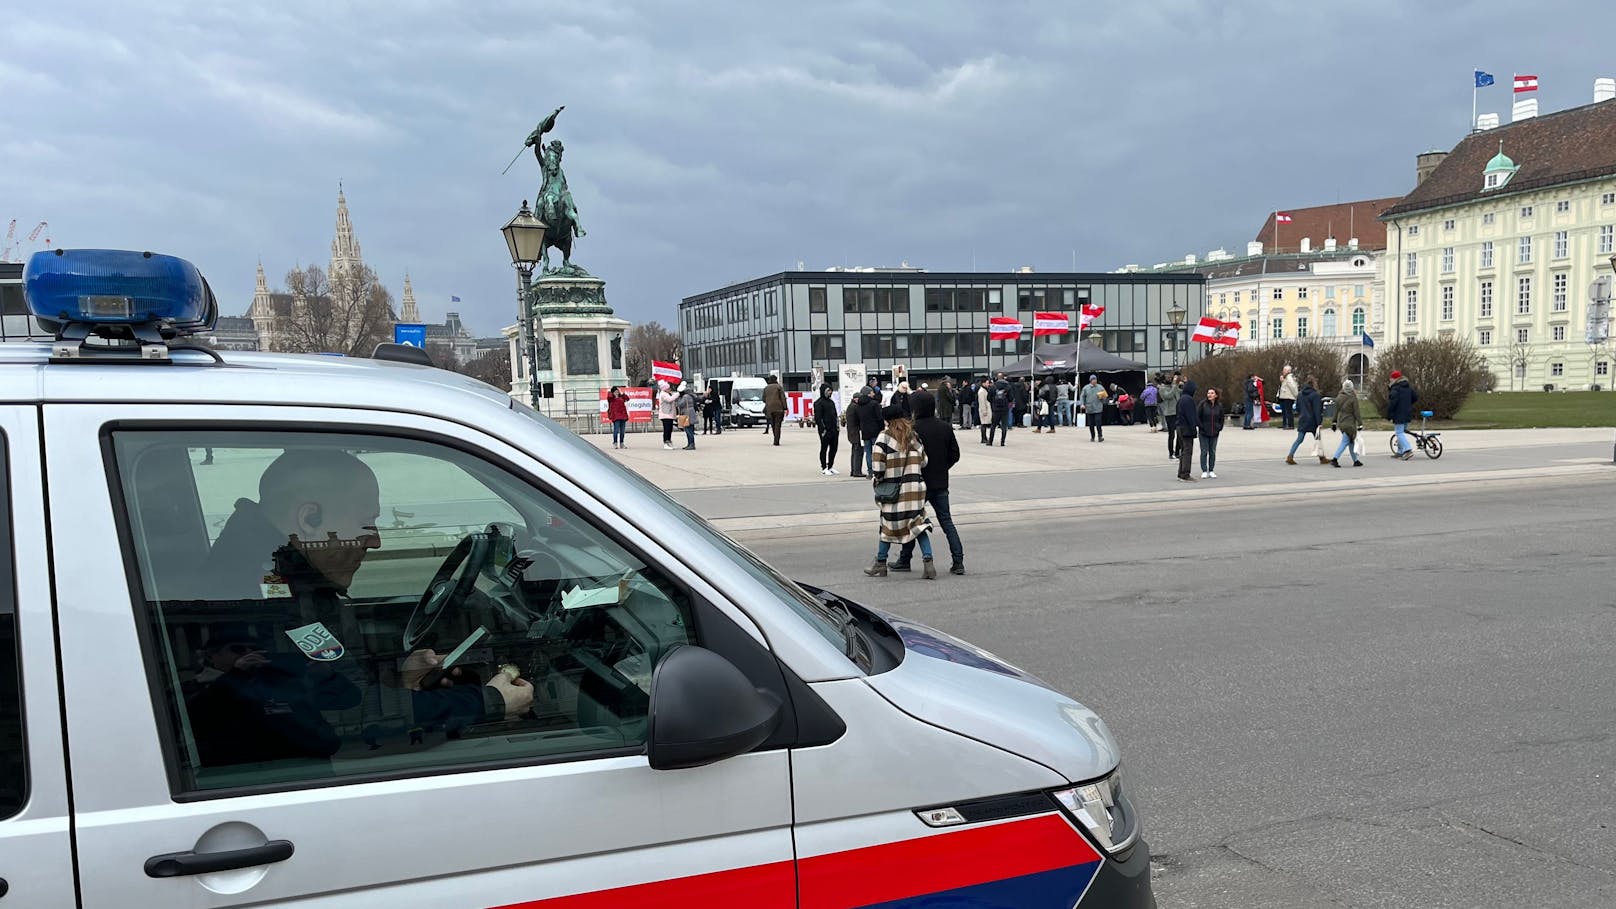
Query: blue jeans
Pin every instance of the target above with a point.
(1404, 443)
(1063, 408)
(945, 519)
(1344, 447)
(1048, 420)
(1209, 453)
(690, 434)
(885, 547)
(619, 431)
(1251, 409)
(869, 456)
(1300, 435)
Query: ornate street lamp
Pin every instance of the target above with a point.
(1176, 316)
(524, 237)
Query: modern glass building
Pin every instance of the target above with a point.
(932, 323)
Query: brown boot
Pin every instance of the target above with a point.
(1323, 459)
(1289, 460)
(877, 569)
(930, 570)
(1037, 429)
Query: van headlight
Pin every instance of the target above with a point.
(1102, 808)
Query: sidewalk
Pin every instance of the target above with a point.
(744, 483)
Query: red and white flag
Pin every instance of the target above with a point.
(1003, 327)
(666, 372)
(1525, 83)
(1281, 218)
(1089, 313)
(1214, 331)
(1050, 323)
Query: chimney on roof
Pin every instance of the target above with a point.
(1254, 248)
(1425, 164)
(1604, 89)
(1524, 110)
(1307, 244)
(1487, 121)
(1024, 270)
(1352, 243)
(1329, 244)
(1189, 259)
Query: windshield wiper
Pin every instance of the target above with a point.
(854, 645)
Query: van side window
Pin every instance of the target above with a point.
(13, 750)
(332, 607)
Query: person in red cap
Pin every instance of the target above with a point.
(1400, 398)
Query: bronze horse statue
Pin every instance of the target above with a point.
(554, 205)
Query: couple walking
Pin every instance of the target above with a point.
(909, 467)
(1309, 413)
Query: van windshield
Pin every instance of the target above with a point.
(748, 394)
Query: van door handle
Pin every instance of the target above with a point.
(179, 864)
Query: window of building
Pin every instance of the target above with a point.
(1523, 296)
(1301, 293)
(1301, 326)
(1562, 206)
(1411, 311)
(1557, 332)
(589, 684)
(1277, 330)
(1488, 217)
(1357, 290)
(1448, 224)
(1237, 297)
(1602, 368)
(1487, 254)
(1526, 211)
(1608, 199)
(1329, 323)
(1358, 320)
(1279, 293)
(1447, 259)
(1562, 244)
(1484, 337)
(1412, 266)
(1607, 235)
(1524, 250)
(1447, 303)
(1556, 369)
(1523, 335)
(1486, 299)
(816, 299)
(1561, 291)
(1413, 230)
(1492, 181)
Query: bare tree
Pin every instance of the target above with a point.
(645, 343)
(349, 315)
(491, 366)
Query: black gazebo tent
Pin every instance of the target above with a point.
(1082, 360)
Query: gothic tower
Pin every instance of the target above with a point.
(344, 247)
(408, 312)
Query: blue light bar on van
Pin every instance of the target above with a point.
(112, 292)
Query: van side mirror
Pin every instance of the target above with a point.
(704, 710)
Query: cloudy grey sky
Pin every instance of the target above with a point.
(717, 141)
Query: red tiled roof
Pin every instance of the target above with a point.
(1343, 221)
(1563, 147)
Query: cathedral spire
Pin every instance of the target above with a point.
(260, 304)
(409, 313)
(344, 247)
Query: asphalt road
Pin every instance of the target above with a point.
(1390, 698)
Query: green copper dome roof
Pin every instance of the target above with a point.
(1500, 161)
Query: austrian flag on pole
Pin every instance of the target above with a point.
(1002, 327)
(1525, 83)
(1089, 313)
(1214, 331)
(666, 372)
(1050, 323)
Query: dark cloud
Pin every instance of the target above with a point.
(714, 142)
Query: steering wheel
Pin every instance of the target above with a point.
(470, 557)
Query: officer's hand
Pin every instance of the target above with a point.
(250, 661)
(518, 693)
(417, 665)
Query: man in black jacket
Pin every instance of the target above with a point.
(870, 425)
(942, 453)
(830, 432)
(1187, 421)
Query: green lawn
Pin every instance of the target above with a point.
(1533, 409)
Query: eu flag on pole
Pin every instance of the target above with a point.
(1368, 341)
(454, 299)
(1483, 79)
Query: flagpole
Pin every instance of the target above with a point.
(1475, 87)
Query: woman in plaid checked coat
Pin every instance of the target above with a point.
(899, 455)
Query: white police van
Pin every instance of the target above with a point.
(312, 631)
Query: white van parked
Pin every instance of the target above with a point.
(316, 631)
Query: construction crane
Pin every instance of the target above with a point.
(9, 249)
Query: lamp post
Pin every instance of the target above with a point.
(524, 237)
(1176, 316)
(1095, 339)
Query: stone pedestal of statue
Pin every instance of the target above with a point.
(581, 350)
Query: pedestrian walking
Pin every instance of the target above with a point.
(666, 413)
(1349, 422)
(900, 488)
(1093, 402)
(617, 414)
(1148, 399)
(1400, 398)
(688, 413)
(1185, 434)
(942, 453)
(1288, 396)
(1048, 398)
(1208, 425)
(1004, 403)
(830, 431)
(855, 438)
(870, 425)
(1167, 397)
(984, 410)
(774, 405)
(1309, 419)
